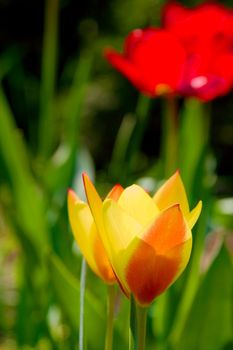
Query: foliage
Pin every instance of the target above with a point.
(71, 113)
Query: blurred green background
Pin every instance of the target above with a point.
(63, 110)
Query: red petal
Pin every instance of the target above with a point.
(206, 21)
(147, 62)
(208, 75)
(172, 13)
(126, 67)
(149, 274)
(135, 38)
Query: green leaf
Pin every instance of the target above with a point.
(193, 139)
(28, 201)
(209, 325)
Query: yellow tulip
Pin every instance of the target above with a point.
(147, 239)
(87, 236)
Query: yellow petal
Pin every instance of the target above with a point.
(83, 227)
(121, 230)
(121, 227)
(96, 206)
(194, 215)
(136, 202)
(172, 192)
(95, 203)
(87, 237)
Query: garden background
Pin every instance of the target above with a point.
(65, 110)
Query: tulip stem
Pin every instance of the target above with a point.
(110, 316)
(137, 334)
(82, 300)
(141, 327)
(170, 137)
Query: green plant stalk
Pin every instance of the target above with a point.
(28, 201)
(82, 304)
(48, 74)
(110, 316)
(170, 137)
(133, 324)
(141, 327)
(137, 331)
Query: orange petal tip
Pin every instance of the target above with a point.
(71, 193)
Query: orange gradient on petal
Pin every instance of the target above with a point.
(160, 257)
(102, 262)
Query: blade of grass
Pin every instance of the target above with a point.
(28, 200)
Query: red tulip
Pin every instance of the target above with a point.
(153, 60)
(206, 33)
(191, 56)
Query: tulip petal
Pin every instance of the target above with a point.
(115, 192)
(87, 237)
(121, 230)
(136, 202)
(194, 215)
(168, 230)
(82, 225)
(173, 13)
(148, 274)
(146, 62)
(123, 65)
(160, 257)
(120, 226)
(172, 192)
(96, 206)
(95, 203)
(202, 22)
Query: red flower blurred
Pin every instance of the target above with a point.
(192, 55)
(153, 60)
(206, 33)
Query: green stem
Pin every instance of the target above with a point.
(82, 303)
(141, 327)
(133, 325)
(170, 137)
(137, 334)
(110, 316)
(48, 73)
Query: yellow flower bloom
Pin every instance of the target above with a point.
(148, 240)
(87, 235)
